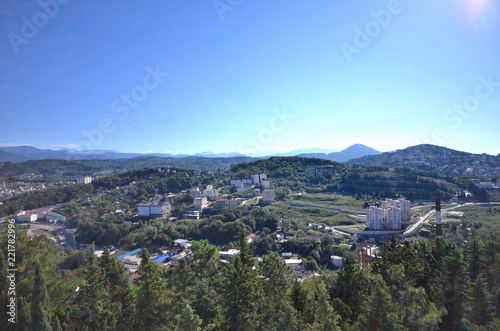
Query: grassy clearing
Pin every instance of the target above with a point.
(331, 200)
(482, 218)
(303, 215)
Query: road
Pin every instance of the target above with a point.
(428, 217)
(412, 229)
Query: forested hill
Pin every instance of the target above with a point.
(289, 172)
(436, 158)
(64, 168)
(282, 166)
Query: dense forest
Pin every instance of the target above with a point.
(373, 180)
(433, 285)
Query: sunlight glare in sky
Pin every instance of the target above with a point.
(476, 9)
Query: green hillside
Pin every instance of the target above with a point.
(443, 160)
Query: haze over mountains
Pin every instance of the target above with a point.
(27, 153)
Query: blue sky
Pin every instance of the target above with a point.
(250, 76)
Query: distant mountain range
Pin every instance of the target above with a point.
(28, 153)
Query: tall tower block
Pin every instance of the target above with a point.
(439, 226)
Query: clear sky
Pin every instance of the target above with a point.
(250, 76)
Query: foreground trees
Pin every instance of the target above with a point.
(425, 286)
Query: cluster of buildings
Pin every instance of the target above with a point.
(449, 162)
(209, 192)
(489, 185)
(200, 199)
(197, 172)
(34, 215)
(391, 215)
(9, 190)
(322, 171)
(256, 179)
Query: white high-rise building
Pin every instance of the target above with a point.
(402, 204)
(375, 218)
(405, 207)
(393, 218)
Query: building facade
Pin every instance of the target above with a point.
(255, 179)
(221, 203)
(154, 209)
(375, 218)
(23, 217)
(200, 203)
(84, 180)
(268, 195)
(210, 192)
(393, 218)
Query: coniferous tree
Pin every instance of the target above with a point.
(151, 308)
(40, 307)
(453, 290)
(379, 312)
(277, 285)
(325, 318)
(93, 303)
(240, 289)
(57, 325)
(24, 317)
(350, 287)
(481, 308)
(302, 304)
(203, 278)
